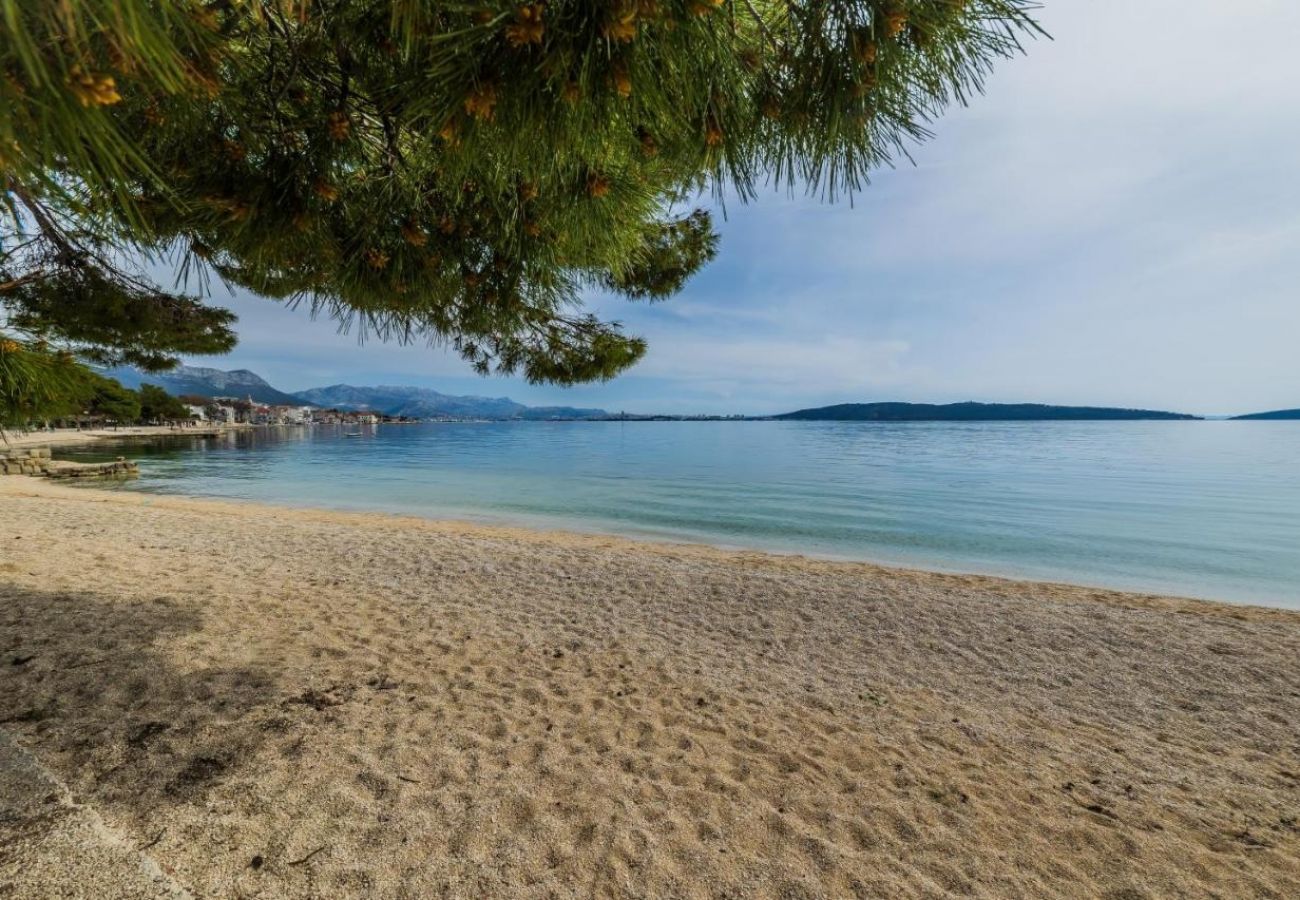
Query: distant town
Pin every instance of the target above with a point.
(246, 411)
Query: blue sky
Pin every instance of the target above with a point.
(1116, 222)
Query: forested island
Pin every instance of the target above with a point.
(1274, 416)
(974, 412)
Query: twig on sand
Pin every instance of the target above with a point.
(1095, 808)
(299, 862)
(153, 843)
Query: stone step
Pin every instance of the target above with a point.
(64, 469)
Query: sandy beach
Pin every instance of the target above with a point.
(63, 437)
(250, 701)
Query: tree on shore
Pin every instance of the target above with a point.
(452, 172)
(110, 400)
(156, 405)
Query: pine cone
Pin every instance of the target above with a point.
(339, 126)
(527, 27)
(482, 101)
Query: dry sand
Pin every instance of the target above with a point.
(290, 703)
(11, 440)
(62, 437)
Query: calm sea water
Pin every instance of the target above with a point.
(1205, 509)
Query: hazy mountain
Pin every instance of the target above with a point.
(410, 401)
(427, 403)
(1277, 414)
(971, 412)
(206, 382)
(414, 402)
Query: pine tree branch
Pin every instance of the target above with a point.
(762, 26)
(28, 278)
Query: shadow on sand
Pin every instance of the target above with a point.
(87, 683)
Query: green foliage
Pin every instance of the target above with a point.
(38, 384)
(64, 67)
(156, 405)
(114, 320)
(453, 172)
(669, 255)
(112, 401)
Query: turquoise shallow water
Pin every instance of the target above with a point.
(1203, 509)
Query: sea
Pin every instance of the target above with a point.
(1206, 509)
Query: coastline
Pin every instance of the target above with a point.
(1196, 525)
(457, 709)
(596, 539)
(529, 527)
(64, 437)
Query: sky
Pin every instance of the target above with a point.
(1115, 222)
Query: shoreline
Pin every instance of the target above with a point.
(1079, 557)
(560, 527)
(606, 540)
(66, 437)
(278, 701)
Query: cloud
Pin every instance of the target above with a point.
(783, 367)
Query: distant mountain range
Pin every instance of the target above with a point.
(973, 412)
(414, 402)
(423, 403)
(1275, 415)
(205, 382)
(426, 403)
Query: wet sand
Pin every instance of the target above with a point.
(295, 703)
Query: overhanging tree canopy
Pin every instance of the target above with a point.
(452, 171)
